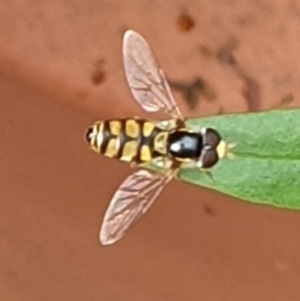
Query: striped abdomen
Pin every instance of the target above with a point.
(129, 140)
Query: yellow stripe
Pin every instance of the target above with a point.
(130, 150)
(148, 128)
(132, 128)
(145, 153)
(115, 127)
(99, 137)
(112, 148)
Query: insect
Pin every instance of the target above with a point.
(168, 144)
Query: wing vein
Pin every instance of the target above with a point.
(132, 200)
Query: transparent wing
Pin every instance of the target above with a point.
(146, 79)
(133, 199)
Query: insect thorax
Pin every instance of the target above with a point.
(185, 145)
(198, 148)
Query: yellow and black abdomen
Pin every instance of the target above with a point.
(129, 140)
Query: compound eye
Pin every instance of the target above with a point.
(210, 158)
(212, 137)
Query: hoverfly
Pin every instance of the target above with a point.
(168, 144)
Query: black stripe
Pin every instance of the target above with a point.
(106, 136)
(139, 139)
(123, 138)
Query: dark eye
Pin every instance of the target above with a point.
(88, 134)
(212, 137)
(210, 158)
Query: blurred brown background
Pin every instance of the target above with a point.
(60, 70)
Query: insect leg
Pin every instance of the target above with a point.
(209, 174)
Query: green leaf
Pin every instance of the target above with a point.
(266, 167)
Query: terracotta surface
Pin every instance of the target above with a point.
(61, 70)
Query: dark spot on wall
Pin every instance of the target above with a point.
(206, 52)
(252, 89)
(252, 92)
(185, 22)
(225, 53)
(209, 210)
(98, 74)
(193, 90)
(284, 101)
